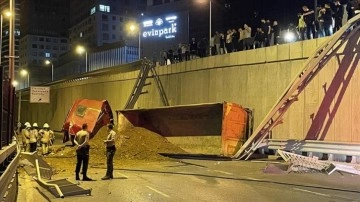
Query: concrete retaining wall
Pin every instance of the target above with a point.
(254, 79)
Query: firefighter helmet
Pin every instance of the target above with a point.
(46, 125)
(27, 124)
(35, 125)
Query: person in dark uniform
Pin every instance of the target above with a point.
(338, 15)
(110, 152)
(309, 18)
(327, 16)
(82, 152)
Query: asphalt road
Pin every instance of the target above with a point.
(207, 180)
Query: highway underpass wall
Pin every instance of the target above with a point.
(254, 79)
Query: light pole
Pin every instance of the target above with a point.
(48, 62)
(12, 41)
(134, 28)
(210, 28)
(80, 50)
(24, 73)
(7, 14)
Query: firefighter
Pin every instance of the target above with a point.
(47, 136)
(34, 133)
(82, 152)
(26, 137)
(110, 152)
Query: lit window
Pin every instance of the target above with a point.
(92, 11)
(81, 34)
(104, 8)
(47, 55)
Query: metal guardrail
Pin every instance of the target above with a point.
(8, 178)
(6, 151)
(45, 184)
(59, 188)
(348, 149)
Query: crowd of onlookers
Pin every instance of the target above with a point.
(323, 21)
(232, 40)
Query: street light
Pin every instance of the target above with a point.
(81, 50)
(15, 83)
(48, 62)
(24, 73)
(133, 29)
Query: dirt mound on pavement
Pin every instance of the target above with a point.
(133, 143)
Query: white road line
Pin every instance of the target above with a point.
(316, 193)
(250, 178)
(223, 172)
(159, 192)
(123, 175)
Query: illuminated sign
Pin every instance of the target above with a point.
(161, 27)
(148, 23)
(159, 22)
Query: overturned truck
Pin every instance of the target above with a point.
(95, 113)
(225, 125)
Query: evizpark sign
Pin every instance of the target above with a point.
(161, 27)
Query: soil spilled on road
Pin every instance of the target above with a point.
(132, 144)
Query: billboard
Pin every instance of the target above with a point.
(164, 32)
(162, 27)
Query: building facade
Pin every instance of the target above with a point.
(51, 29)
(44, 36)
(99, 22)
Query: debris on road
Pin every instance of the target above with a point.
(300, 163)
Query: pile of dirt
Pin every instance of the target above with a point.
(133, 143)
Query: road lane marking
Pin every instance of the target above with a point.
(312, 192)
(159, 192)
(223, 172)
(250, 178)
(123, 175)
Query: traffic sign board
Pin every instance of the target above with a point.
(39, 94)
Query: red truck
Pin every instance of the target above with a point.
(96, 113)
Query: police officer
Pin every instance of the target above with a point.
(34, 133)
(46, 136)
(82, 152)
(110, 152)
(26, 137)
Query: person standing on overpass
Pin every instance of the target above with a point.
(309, 18)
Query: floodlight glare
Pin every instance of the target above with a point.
(289, 36)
